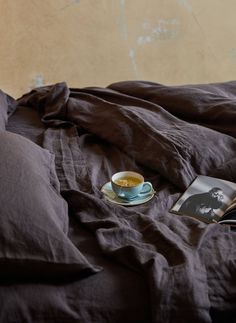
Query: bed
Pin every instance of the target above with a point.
(68, 254)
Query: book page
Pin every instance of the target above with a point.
(232, 205)
(229, 216)
(207, 198)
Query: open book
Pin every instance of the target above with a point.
(210, 200)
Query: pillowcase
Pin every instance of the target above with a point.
(34, 218)
(7, 106)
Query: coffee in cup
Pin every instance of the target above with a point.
(128, 185)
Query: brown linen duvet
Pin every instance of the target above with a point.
(68, 254)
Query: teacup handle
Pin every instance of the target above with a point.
(148, 190)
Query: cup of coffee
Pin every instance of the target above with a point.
(128, 185)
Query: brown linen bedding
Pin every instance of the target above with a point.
(157, 266)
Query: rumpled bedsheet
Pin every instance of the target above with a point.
(170, 134)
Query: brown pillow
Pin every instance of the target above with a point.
(34, 218)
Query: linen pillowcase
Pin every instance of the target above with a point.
(34, 218)
(7, 106)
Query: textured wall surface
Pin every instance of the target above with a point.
(97, 42)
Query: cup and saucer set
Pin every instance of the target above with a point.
(128, 188)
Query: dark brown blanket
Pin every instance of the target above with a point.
(169, 134)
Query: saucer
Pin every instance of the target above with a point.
(113, 198)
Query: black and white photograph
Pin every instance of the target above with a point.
(207, 198)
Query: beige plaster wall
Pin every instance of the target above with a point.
(97, 42)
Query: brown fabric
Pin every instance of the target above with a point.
(34, 218)
(136, 127)
(168, 135)
(211, 105)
